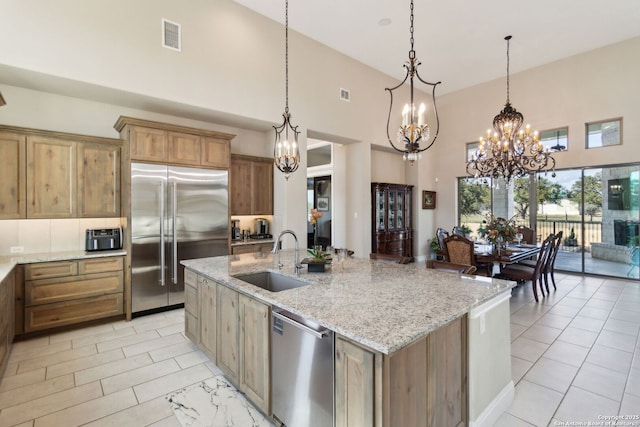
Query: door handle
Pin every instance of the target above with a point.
(174, 272)
(162, 250)
(318, 334)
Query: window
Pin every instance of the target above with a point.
(555, 139)
(604, 133)
(472, 147)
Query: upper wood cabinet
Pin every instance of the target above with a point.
(157, 142)
(51, 178)
(98, 180)
(13, 175)
(251, 185)
(50, 174)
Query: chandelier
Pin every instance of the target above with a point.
(413, 129)
(510, 151)
(286, 155)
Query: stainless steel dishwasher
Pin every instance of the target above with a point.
(301, 371)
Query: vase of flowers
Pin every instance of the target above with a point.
(497, 230)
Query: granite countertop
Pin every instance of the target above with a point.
(381, 305)
(8, 262)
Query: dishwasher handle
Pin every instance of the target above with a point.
(318, 334)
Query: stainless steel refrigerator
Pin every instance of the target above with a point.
(176, 213)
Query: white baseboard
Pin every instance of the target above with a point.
(492, 412)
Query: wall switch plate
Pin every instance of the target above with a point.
(16, 249)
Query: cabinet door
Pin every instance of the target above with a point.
(215, 152)
(148, 144)
(13, 176)
(51, 178)
(207, 316)
(184, 148)
(240, 187)
(98, 180)
(354, 388)
(227, 355)
(254, 351)
(262, 188)
(191, 310)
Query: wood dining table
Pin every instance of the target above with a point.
(513, 253)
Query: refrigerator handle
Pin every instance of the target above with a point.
(162, 219)
(174, 274)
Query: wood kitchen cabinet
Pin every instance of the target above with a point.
(98, 173)
(251, 248)
(391, 210)
(13, 175)
(228, 336)
(207, 290)
(58, 175)
(157, 142)
(251, 185)
(63, 293)
(191, 306)
(254, 351)
(423, 384)
(7, 322)
(51, 177)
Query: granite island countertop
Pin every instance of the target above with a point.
(381, 305)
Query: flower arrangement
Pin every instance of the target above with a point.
(498, 230)
(317, 254)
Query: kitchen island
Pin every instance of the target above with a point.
(412, 346)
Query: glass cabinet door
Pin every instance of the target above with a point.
(392, 210)
(407, 205)
(380, 209)
(400, 209)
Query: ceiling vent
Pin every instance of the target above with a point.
(345, 95)
(171, 36)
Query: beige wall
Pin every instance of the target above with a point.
(231, 71)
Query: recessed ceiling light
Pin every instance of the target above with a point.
(384, 22)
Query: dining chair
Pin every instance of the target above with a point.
(550, 262)
(522, 273)
(452, 267)
(458, 231)
(528, 235)
(441, 234)
(460, 250)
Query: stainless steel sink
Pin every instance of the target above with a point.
(270, 281)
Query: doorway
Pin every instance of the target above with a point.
(319, 197)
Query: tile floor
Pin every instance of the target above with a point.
(575, 357)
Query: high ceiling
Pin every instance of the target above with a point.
(460, 42)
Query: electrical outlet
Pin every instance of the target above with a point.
(16, 249)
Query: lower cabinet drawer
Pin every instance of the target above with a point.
(100, 265)
(48, 270)
(190, 299)
(70, 312)
(70, 288)
(191, 327)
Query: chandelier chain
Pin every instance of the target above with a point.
(411, 29)
(286, 56)
(508, 39)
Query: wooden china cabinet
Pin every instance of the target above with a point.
(391, 211)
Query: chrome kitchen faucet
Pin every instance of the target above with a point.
(297, 266)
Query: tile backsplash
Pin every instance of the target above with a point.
(49, 235)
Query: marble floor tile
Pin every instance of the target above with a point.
(581, 406)
(552, 374)
(82, 363)
(144, 414)
(596, 313)
(568, 353)
(623, 327)
(60, 357)
(153, 344)
(564, 310)
(528, 349)
(539, 414)
(578, 336)
(617, 340)
(48, 404)
(600, 380)
(215, 402)
(111, 368)
(600, 303)
(34, 391)
(630, 405)
(572, 302)
(139, 375)
(89, 411)
(519, 368)
(628, 315)
(169, 383)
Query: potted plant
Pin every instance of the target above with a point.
(435, 247)
(318, 260)
(571, 240)
(467, 231)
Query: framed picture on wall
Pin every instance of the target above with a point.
(428, 200)
(323, 203)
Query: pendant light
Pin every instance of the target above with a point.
(286, 154)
